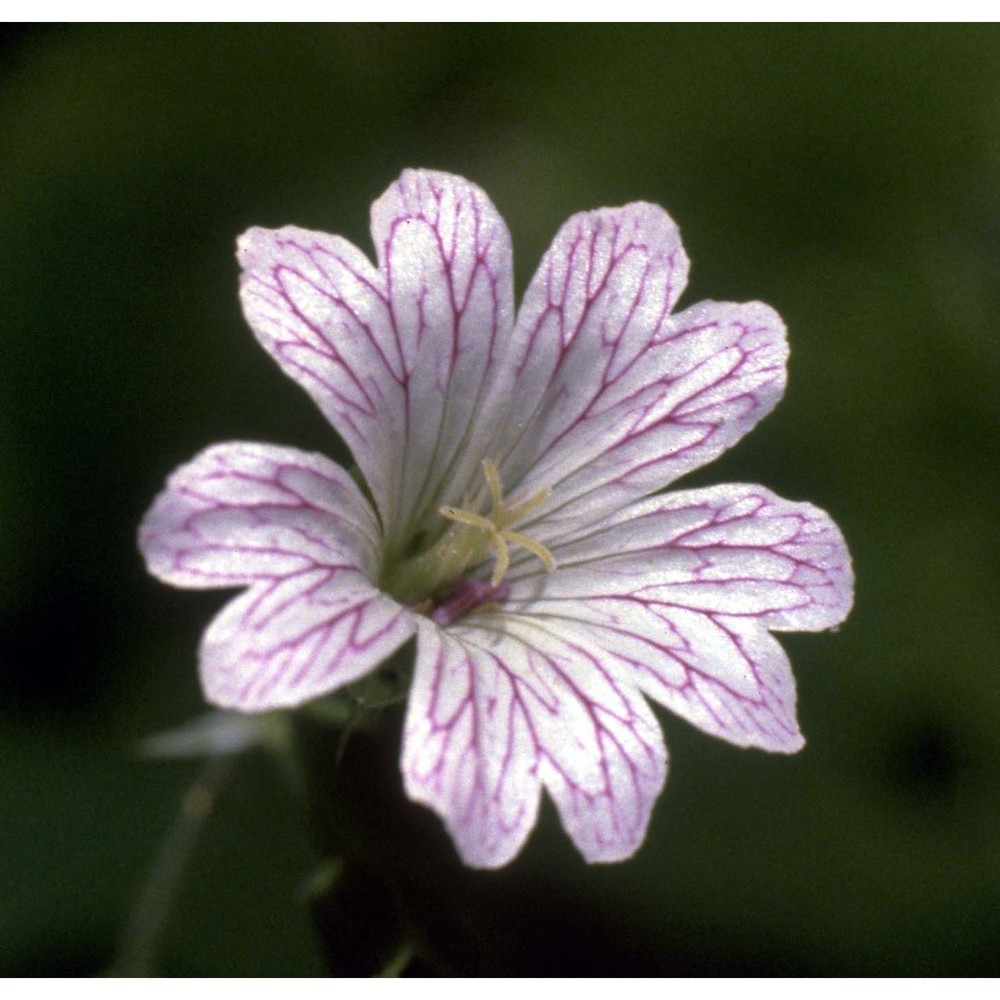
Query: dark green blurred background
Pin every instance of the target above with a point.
(848, 176)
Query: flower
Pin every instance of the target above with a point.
(504, 511)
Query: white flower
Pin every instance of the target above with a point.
(509, 515)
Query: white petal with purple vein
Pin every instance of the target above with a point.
(242, 512)
(320, 308)
(294, 639)
(295, 528)
(502, 705)
(616, 396)
(706, 378)
(681, 591)
(446, 258)
(602, 289)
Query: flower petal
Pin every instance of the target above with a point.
(296, 529)
(499, 708)
(682, 589)
(603, 288)
(616, 396)
(713, 373)
(240, 512)
(445, 253)
(401, 359)
(296, 638)
(319, 307)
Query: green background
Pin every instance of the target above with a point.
(848, 176)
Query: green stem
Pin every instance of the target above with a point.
(142, 939)
(397, 965)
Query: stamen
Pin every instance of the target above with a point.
(466, 543)
(468, 517)
(495, 526)
(517, 512)
(499, 543)
(538, 550)
(493, 479)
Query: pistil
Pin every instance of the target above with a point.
(468, 542)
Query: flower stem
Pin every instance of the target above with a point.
(399, 962)
(139, 949)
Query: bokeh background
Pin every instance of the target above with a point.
(848, 176)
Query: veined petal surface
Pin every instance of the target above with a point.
(504, 705)
(682, 591)
(446, 256)
(616, 396)
(320, 308)
(242, 512)
(290, 640)
(294, 529)
(400, 359)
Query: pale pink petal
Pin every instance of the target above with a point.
(445, 254)
(467, 748)
(400, 359)
(296, 638)
(296, 529)
(602, 290)
(616, 397)
(240, 512)
(713, 372)
(682, 591)
(320, 308)
(502, 705)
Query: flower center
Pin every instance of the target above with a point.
(469, 541)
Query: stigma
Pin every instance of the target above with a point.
(468, 542)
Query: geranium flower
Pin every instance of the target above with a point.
(504, 511)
